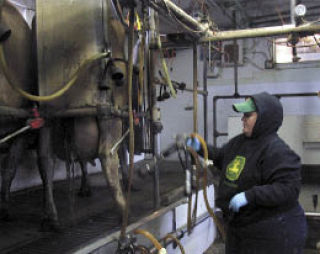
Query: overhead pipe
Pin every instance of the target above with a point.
(217, 134)
(261, 32)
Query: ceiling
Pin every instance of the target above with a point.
(248, 13)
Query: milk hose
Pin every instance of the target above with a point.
(154, 241)
(192, 216)
(205, 182)
(175, 239)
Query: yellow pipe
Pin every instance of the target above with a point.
(154, 241)
(203, 144)
(55, 95)
(170, 236)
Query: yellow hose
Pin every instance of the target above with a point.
(205, 182)
(55, 95)
(203, 144)
(165, 69)
(154, 241)
(191, 219)
(170, 236)
(141, 71)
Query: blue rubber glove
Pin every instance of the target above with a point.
(238, 200)
(194, 143)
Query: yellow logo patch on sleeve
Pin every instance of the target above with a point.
(235, 168)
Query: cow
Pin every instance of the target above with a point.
(17, 50)
(83, 138)
(76, 138)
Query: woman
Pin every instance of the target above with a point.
(260, 183)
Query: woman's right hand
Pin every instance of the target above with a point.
(194, 143)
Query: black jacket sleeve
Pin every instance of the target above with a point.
(280, 178)
(215, 154)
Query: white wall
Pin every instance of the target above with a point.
(301, 133)
(252, 79)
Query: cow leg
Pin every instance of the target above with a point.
(46, 168)
(123, 157)
(110, 133)
(85, 189)
(8, 171)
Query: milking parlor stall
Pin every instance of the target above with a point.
(83, 169)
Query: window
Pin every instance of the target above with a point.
(307, 49)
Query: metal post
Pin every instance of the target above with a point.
(292, 13)
(153, 100)
(235, 56)
(195, 88)
(205, 89)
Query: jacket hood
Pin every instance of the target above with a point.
(270, 114)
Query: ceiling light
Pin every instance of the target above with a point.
(300, 10)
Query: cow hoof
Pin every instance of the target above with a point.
(85, 193)
(50, 226)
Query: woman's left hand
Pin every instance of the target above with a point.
(239, 200)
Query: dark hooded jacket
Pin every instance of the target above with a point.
(263, 166)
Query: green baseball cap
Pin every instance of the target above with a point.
(245, 107)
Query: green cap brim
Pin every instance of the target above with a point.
(245, 107)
